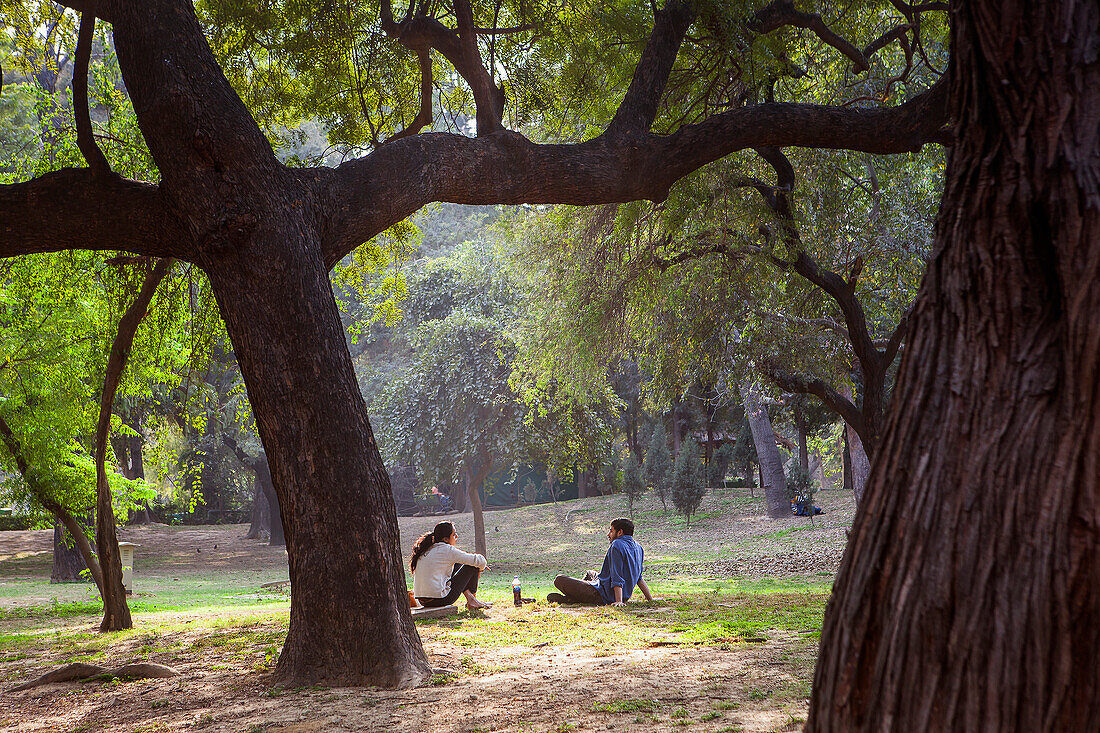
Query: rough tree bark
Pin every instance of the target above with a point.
(772, 478)
(969, 595)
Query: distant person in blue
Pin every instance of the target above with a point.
(622, 570)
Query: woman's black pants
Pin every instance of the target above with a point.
(463, 578)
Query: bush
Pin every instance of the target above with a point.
(11, 523)
(657, 466)
(688, 487)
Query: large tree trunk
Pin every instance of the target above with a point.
(349, 615)
(68, 562)
(969, 595)
(772, 478)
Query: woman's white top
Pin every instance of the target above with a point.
(432, 577)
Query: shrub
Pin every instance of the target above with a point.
(688, 482)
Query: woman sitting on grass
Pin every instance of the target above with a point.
(442, 572)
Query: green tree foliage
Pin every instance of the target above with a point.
(657, 466)
(688, 481)
(60, 311)
(446, 394)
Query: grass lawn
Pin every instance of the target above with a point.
(730, 647)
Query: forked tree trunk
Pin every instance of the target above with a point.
(772, 478)
(969, 596)
(347, 626)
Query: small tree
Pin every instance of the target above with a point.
(658, 465)
(633, 484)
(719, 466)
(687, 481)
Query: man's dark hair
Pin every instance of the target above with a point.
(624, 524)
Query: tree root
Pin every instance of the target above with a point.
(95, 673)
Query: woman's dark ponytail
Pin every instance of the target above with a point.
(442, 531)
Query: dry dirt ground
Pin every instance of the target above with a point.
(605, 674)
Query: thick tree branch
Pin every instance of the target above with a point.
(366, 196)
(83, 6)
(420, 33)
(783, 13)
(842, 291)
(638, 109)
(890, 350)
(85, 139)
(886, 39)
(910, 10)
(72, 209)
(487, 97)
(424, 116)
(836, 402)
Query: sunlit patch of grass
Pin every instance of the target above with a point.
(701, 620)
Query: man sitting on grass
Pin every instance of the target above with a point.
(622, 570)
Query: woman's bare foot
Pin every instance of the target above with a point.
(473, 604)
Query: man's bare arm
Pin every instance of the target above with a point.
(645, 590)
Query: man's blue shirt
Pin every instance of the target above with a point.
(622, 567)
